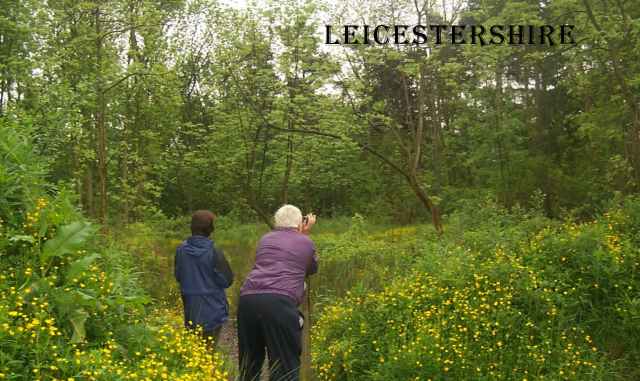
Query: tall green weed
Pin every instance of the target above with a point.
(71, 305)
(503, 295)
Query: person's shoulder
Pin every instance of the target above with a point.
(305, 239)
(269, 235)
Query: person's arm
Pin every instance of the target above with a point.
(313, 267)
(223, 269)
(307, 222)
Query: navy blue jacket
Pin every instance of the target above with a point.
(203, 273)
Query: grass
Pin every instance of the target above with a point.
(509, 296)
(513, 294)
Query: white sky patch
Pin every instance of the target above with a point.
(355, 12)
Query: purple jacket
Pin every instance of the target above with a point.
(283, 258)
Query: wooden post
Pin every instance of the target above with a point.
(305, 366)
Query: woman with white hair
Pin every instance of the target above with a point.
(268, 313)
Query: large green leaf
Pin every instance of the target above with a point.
(81, 265)
(67, 302)
(77, 319)
(69, 238)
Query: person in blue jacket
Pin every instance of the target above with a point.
(203, 273)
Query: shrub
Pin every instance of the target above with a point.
(362, 256)
(559, 302)
(70, 305)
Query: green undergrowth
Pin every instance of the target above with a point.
(72, 304)
(502, 295)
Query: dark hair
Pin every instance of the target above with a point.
(202, 222)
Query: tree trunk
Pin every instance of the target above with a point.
(131, 121)
(88, 201)
(634, 145)
(499, 143)
(2, 90)
(266, 218)
(287, 173)
(426, 202)
(101, 133)
(124, 180)
(542, 138)
(417, 153)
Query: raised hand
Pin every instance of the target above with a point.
(307, 222)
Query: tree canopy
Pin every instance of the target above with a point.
(171, 106)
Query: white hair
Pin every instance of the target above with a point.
(288, 216)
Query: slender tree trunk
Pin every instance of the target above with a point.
(287, 173)
(634, 144)
(417, 154)
(2, 91)
(437, 154)
(253, 203)
(542, 139)
(292, 83)
(89, 202)
(76, 169)
(124, 180)
(3, 83)
(250, 195)
(131, 133)
(499, 141)
(436, 219)
(8, 89)
(101, 133)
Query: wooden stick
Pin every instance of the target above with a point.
(305, 368)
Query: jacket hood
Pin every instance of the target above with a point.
(197, 245)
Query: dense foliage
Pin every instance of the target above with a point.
(507, 297)
(71, 305)
(146, 106)
(119, 118)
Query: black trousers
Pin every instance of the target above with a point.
(269, 321)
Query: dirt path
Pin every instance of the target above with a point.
(229, 346)
(241, 260)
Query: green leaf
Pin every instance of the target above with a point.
(77, 320)
(69, 238)
(43, 226)
(435, 200)
(81, 265)
(85, 297)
